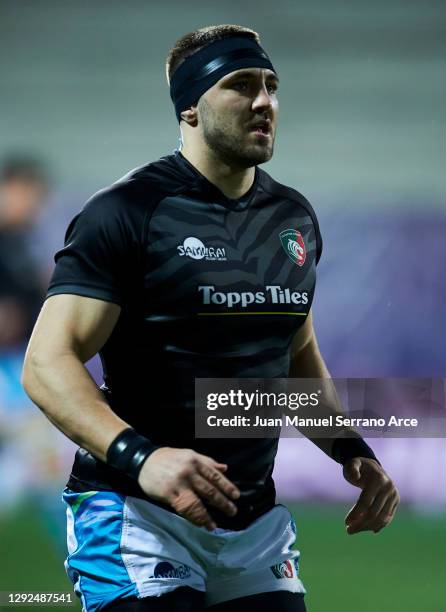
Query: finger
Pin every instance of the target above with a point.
(376, 523)
(365, 500)
(352, 529)
(354, 514)
(358, 523)
(361, 524)
(206, 490)
(387, 492)
(218, 480)
(188, 505)
(395, 505)
(387, 513)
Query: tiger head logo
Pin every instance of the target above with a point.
(294, 246)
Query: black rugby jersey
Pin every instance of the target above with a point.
(178, 256)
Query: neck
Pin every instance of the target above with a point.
(234, 182)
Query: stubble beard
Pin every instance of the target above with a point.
(220, 137)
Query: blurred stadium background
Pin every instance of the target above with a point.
(362, 135)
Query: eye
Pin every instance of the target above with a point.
(241, 85)
(272, 88)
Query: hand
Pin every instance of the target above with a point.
(181, 478)
(378, 500)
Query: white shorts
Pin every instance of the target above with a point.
(121, 546)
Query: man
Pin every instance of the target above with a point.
(23, 190)
(151, 269)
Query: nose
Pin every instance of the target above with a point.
(262, 100)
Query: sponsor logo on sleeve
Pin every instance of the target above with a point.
(294, 246)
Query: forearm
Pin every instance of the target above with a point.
(308, 363)
(63, 389)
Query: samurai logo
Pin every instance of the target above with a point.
(294, 246)
(195, 249)
(282, 570)
(164, 569)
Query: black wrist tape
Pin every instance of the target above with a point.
(344, 449)
(128, 451)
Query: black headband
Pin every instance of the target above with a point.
(205, 67)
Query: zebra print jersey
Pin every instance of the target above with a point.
(208, 288)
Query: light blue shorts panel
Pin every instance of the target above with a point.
(124, 546)
(94, 563)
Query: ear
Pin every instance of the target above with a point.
(190, 116)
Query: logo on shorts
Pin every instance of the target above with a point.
(283, 570)
(164, 569)
(294, 246)
(193, 247)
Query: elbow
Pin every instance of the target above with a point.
(29, 376)
(35, 365)
(41, 367)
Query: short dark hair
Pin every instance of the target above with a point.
(23, 168)
(194, 41)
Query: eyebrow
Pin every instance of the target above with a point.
(271, 76)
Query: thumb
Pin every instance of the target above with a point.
(352, 470)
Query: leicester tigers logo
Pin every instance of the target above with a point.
(282, 570)
(294, 246)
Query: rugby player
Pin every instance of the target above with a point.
(151, 269)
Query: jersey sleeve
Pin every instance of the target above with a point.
(289, 192)
(303, 200)
(103, 249)
(319, 242)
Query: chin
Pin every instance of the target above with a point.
(258, 157)
(246, 157)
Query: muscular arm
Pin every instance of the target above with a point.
(306, 361)
(379, 497)
(69, 331)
